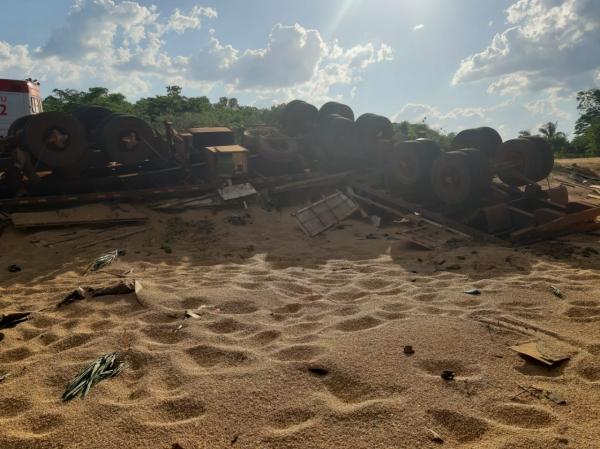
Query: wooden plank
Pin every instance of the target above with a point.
(411, 217)
(89, 214)
(112, 237)
(311, 182)
(434, 217)
(568, 220)
(132, 195)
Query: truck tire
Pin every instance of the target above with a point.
(17, 125)
(55, 139)
(545, 155)
(407, 170)
(126, 139)
(485, 139)
(481, 168)
(452, 179)
(518, 161)
(91, 117)
(333, 107)
(278, 149)
(299, 118)
(371, 128)
(336, 133)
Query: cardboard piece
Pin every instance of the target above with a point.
(532, 350)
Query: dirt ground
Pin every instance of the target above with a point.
(299, 341)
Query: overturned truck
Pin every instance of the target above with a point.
(480, 185)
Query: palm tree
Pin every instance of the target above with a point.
(557, 139)
(548, 130)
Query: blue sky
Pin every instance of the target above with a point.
(510, 64)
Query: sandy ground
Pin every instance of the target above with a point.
(300, 341)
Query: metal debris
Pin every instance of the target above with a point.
(190, 314)
(447, 374)
(325, 214)
(104, 367)
(14, 268)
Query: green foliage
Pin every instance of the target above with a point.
(187, 112)
(184, 112)
(68, 100)
(587, 127)
(557, 139)
(524, 133)
(410, 131)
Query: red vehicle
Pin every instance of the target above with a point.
(17, 99)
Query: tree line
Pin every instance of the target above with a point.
(187, 112)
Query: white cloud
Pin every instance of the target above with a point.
(90, 30)
(512, 84)
(418, 27)
(552, 105)
(490, 23)
(295, 62)
(551, 43)
(455, 119)
(179, 22)
(417, 112)
(121, 44)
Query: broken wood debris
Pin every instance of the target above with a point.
(113, 237)
(434, 436)
(81, 215)
(118, 288)
(12, 319)
(532, 350)
(311, 182)
(192, 314)
(206, 200)
(540, 393)
(236, 191)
